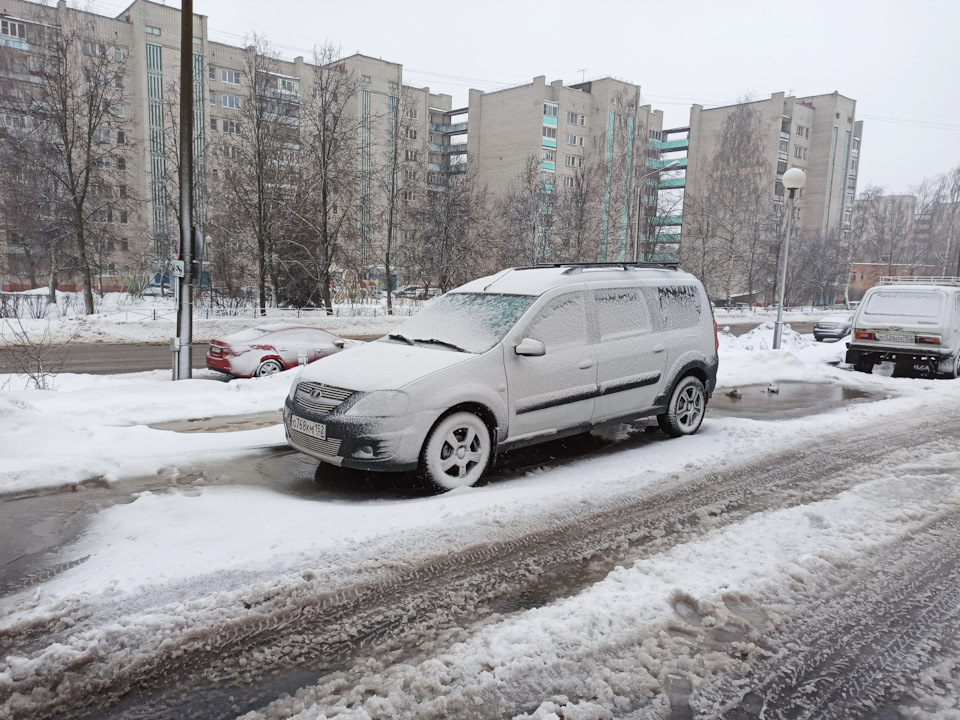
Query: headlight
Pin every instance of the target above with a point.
(293, 387)
(380, 403)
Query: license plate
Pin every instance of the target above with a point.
(216, 350)
(308, 427)
(890, 337)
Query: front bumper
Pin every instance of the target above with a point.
(377, 444)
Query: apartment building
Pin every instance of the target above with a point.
(817, 133)
(145, 38)
(599, 124)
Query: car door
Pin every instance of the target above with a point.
(631, 358)
(555, 390)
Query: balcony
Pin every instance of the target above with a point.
(672, 183)
(666, 220)
(455, 129)
(676, 164)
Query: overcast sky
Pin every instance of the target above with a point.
(899, 60)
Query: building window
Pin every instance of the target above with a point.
(291, 87)
(410, 175)
(121, 137)
(122, 191)
(123, 217)
(573, 161)
(549, 132)
(656, 135)
(408, 195)
(551, 109)
(233, 152)
(94, 49)
(213, 98)
(13, 29)
(231, 101)
(803, 132)
(119, 110)
(121, 164)
(548, 155)
(213, 123)
(412, 155)
(117, 55)
(118, 82)
(574, 139)
(435, 178)
(392, 85)
(412, 113)
(856, 144)
(229, 126)
(151, 30)
(411, 134)
(800, 152)
(212, 73)
(569, 182)
(102, 135)
(230, 76)
(365, 78)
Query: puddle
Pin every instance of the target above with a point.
(792, 400)
(229, 423)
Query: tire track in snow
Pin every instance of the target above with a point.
(407, 612)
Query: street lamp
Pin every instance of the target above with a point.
(636, 238)
(793, 180)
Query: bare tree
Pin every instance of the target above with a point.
(577, 213)
(68, 106)
(526, 218)
(258, 157)
(452, 231)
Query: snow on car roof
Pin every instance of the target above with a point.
(537, 280)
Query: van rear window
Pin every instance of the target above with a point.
(917, 303)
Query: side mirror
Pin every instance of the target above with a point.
(339, 343)
(530, 347)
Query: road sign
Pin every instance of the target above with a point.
(177, 268)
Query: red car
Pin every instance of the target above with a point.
(269, 349)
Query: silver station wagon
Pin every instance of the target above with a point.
(520, 357)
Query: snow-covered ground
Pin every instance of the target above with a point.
(168, 557)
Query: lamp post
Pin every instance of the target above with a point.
(793, 180)
(636, 238)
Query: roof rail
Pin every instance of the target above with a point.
(919, 280)
(574, 267)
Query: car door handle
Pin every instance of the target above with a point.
(659, 348)
(586, 364)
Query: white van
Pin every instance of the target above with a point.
(913, 322)
(520, 357)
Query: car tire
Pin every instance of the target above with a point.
(268, 367)
(457, 452)
(685, 411)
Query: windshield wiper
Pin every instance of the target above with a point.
(434, 341)
(401, 338)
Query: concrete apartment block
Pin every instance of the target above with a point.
(601, 121)
(818, 134)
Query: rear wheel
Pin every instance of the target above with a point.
(268, 367)
(684, 414)
(457, 452)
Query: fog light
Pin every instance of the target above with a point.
(366, 450)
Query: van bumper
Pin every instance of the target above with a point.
(878, 354)
(359, 443)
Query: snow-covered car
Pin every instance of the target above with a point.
(525, 356)
(834, 326)
(913, 322)
(269, 349)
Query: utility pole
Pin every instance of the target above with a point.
(182, 344)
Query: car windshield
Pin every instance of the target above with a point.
(474, 322)
(918, 303)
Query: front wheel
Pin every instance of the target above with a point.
(457, 452)
(686, 409)
(269, 367)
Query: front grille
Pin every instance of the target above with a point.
(324, 447)
(318, 398)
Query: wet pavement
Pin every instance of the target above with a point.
(785, 400)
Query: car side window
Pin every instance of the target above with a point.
(621, 312)
(676, 306)
(561, 322)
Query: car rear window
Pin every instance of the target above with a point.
(913, 303)
(248, 335)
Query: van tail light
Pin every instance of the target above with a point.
(864, 335)
(716, 338)
(928, 339)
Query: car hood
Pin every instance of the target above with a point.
(381, 366)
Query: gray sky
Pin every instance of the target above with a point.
(899, 60)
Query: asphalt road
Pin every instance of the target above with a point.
(115, 358)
